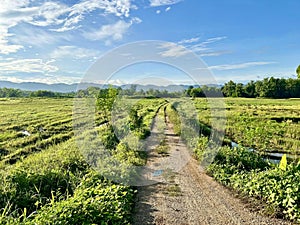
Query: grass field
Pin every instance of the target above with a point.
(44, 178)
(29, 125)
(262, 124)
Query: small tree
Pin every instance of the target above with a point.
(229, 89)
(298, 72)
(105, 101)
(136, 121)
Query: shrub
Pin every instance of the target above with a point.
(95, 201)
(247, 173)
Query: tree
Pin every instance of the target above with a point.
(132, 89)
(229, 89)
(197, 92)
(268, 88)
(298, 72)
(42, 93)
(249, 90)
(259, 88)
(136, 121)
(239, 90)
(105, 100)
(188, 91)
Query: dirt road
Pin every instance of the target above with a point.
(186, 195)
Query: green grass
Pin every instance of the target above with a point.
(48, 121)
(174, 118)
(249, 175)
(263, 124)
(44, 178)
(163, 148)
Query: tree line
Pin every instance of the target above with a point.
(266, 88)
(17, 93)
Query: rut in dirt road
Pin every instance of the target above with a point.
(185, 194)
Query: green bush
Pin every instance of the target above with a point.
(95, 201)
(31, 183)
(128, 155)
(241, 158)
(200, 148)
(247, 173)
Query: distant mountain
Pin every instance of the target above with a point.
(63, 88)
(35, 86)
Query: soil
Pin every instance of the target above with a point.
(183, 194)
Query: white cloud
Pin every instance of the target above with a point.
(239, 66)
(114, 31)
(168, 9)
(173, 50)
(188, 41)
(136, 20)
(202, 48)
(163, 2)
(52, 13)
(57, 16)
(214, 53)
(12, 13)
(26, 66)
(111, 32)
(8, 4)
(38, 37)
(117, 7)
(47, 79)
(192, 44)
(199, 48)
(158, 11)
(73, 52)
(76, 13)
(6, 48)
(213, 40)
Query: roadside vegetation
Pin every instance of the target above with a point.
(276, 188)
(263, 125)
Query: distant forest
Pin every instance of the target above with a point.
(17, 93)
(266, 88)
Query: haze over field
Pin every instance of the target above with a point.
(57, 41)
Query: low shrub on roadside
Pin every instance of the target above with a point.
(250, 175)
(95, 201)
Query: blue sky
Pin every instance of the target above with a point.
(57, 41)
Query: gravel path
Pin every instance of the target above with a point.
(185, 195)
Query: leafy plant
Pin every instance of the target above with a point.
(247, 173)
